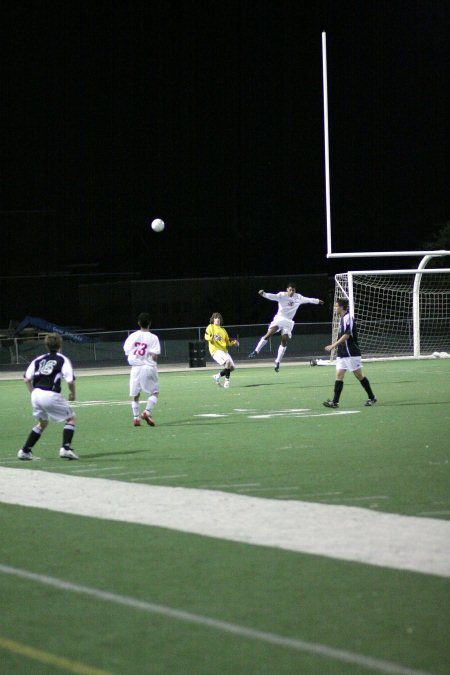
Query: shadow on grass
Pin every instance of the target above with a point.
(226, 419)
(96, 455)
(261, 384)
(395, 404)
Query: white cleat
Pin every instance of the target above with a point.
(226, 384)
(216, 379)
(26, 456)
(67, 453)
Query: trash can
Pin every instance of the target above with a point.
(197, 357)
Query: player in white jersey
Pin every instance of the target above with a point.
(142, 349)
(288, 303)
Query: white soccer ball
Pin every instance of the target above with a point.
(158, 225)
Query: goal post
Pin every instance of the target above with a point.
(355, 254)
(399, 313)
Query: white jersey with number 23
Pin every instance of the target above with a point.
(139, 347)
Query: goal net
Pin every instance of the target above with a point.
(399, 313)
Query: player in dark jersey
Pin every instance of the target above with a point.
(348, 356)
(43, 378)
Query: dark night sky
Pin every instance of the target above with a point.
(209, 115)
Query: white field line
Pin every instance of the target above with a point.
(95, 468)
(87, 404)
(270, 414)
(278, 487)
(314, 648)
(172, 475)
(335, 531)
(214, 486)
(363, 499)
(267, 416)
(319, 494)
(133, 473)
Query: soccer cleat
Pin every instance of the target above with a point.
(330, 404)
(216, 379)
(370, 401)
(277, 366)
(226, 384)
(136, 422)
(67, 453)
(252, 355)
(26, 456)
(146, 416)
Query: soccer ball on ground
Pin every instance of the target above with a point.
(158, 225)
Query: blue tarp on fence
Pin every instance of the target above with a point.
(49, 327)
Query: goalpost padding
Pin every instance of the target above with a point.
(399, 313)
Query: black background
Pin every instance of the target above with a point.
(210, 116)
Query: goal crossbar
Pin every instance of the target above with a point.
(385, 254)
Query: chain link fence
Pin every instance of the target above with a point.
(105, 348)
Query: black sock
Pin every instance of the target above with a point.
(366, 384)
(226, 372)
(338, 387)
(32, 439)
(68, 433)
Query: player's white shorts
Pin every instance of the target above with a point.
(143, 378)
(286, 326)
(222, 358)
(348, 363)
(50, 404)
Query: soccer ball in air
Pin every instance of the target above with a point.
(158, 225)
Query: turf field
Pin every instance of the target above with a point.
(91, 594)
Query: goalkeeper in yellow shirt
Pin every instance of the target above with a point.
(218, 341)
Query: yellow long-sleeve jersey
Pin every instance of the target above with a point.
(217, 338)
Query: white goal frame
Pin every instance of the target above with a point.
(330, 253)
(418, 318)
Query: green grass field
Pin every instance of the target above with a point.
(268, 436)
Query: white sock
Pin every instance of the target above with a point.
(262, 343)
(151, 402)
(135, 408)
(281, 353)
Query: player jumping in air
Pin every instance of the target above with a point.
(288, 303)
